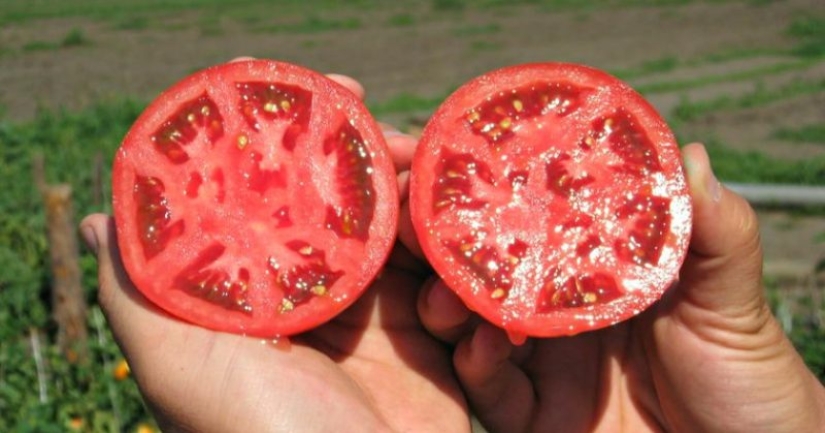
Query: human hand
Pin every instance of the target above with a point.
(372, 368)
(709, 356)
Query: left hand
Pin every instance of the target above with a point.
(372, 368)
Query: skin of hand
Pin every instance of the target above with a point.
(374, 368)
(709, 357)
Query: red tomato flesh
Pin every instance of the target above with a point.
(551, 199)
(254, 197)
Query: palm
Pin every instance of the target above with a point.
(386, 361)
(372, 368)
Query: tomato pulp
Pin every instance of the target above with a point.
(551, 198)
(254, 197)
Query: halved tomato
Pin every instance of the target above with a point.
(254, 197)
(551, 198)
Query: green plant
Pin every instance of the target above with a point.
(810, 32)
(649, 67)
(484, 46)
(814, 133)
(737, 76)
(401, 20)
(687, 110)
(448, 5)
(477, 29)
(132, 22)
(313, 23)
(39, 46)
(64, 393)
(753, 167)
(406, 103)
(74, 38)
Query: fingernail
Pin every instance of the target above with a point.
(90, 238)
(699, 170)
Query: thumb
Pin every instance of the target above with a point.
(725, 248)
(719, 359)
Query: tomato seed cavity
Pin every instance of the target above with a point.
(153, 216)
(458, 173)
(495, 270)
(353, 169)
(215, 285)
(495, 118)
(650, 218)
(626, 138)
(276, 101)
(576, 291)
(181, 128)
(301, 282)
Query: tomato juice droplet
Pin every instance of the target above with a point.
(279, 343)
(551, 199)
(255, 197)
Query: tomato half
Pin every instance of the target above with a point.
(254, 197)
(551, 198)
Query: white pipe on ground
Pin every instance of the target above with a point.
(775, 194)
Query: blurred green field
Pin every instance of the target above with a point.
(41, 392)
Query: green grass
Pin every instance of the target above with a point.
(732, 165)
(133, 22)
(732, 77)
(481, 45)
(804, 134)
(810, 32)
(688, 110)
(39, 45)
(406, 103)
(75, 38)
(649, 67)
(312, 23)
(401, 20)
(85, 391)
(477, 29)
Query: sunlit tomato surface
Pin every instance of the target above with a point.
(551, 199)
(254, 197)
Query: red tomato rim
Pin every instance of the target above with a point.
(439, 132)
(218, 80)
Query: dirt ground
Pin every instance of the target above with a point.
(439, 50)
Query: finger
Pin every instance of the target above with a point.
(402, 146)
(406, 231)
(500, 393)
(443, 314)
(723, 270)
(125, 308)
(182, 370)
(350, 83)
(731, 352)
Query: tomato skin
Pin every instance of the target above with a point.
(247, 208)
(551, 198)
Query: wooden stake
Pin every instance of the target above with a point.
(68, 301)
